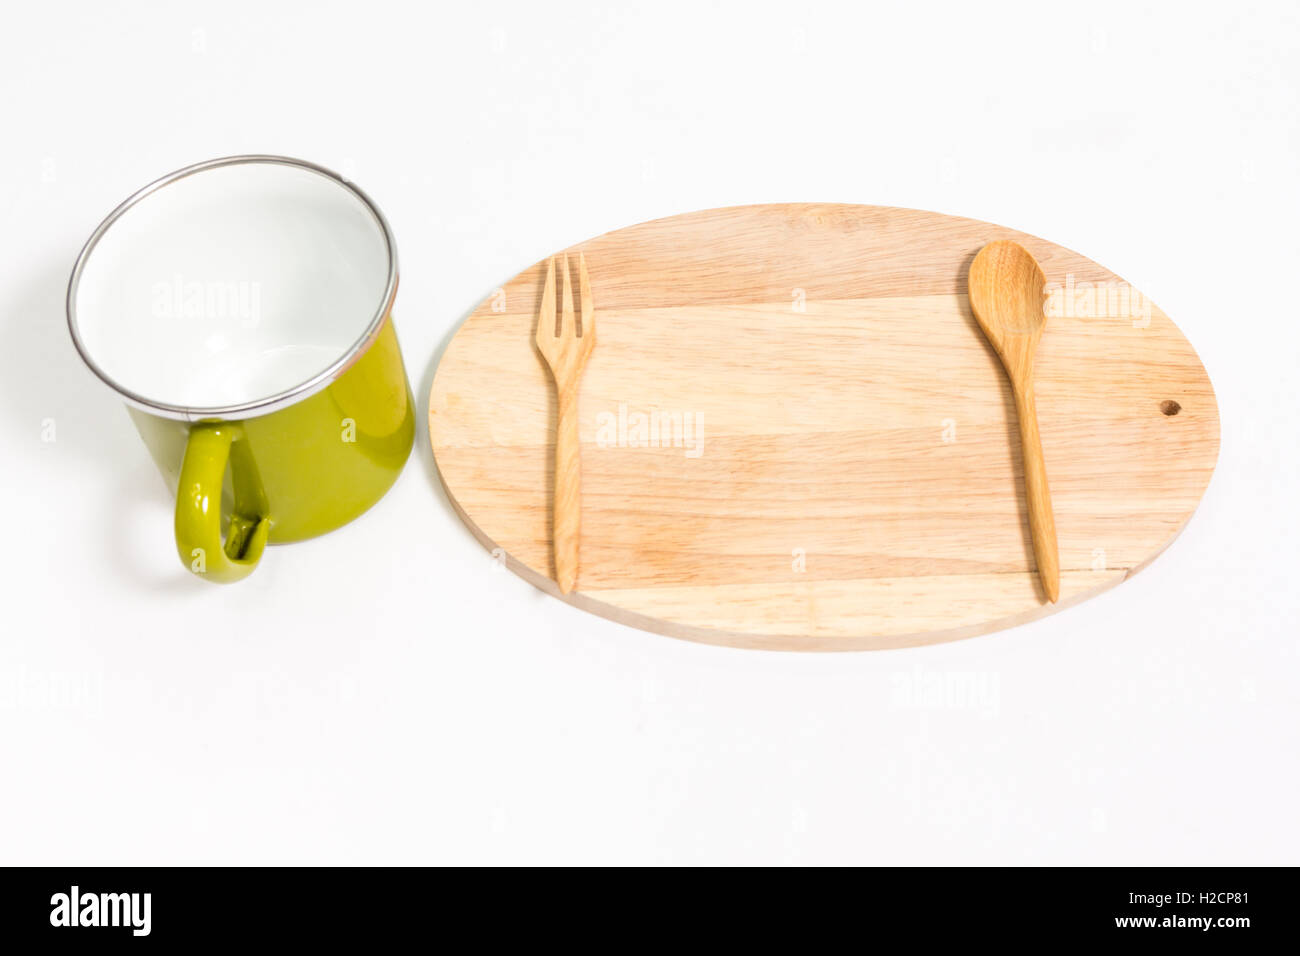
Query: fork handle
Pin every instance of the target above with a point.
(567, 513)
(1042, 524)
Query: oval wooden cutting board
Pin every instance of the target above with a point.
(794, 436)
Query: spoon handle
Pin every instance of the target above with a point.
(1042, 525)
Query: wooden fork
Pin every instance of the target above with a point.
(566, 348)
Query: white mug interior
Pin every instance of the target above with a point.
(231, 285)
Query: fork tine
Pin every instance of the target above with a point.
(584, 296)
(546, 326)
(566, 324)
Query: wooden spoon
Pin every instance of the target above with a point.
(1006, 294)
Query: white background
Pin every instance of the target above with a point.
(385, 694)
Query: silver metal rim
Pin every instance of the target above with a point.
(261, 406)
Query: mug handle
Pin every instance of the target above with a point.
(198, 505)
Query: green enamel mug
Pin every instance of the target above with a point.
(242, 309)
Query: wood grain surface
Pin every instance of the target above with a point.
(794, 435)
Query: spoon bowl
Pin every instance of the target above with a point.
(1006, 293)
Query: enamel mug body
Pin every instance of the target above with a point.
(242, 310)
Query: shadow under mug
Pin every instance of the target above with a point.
(242, 309)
